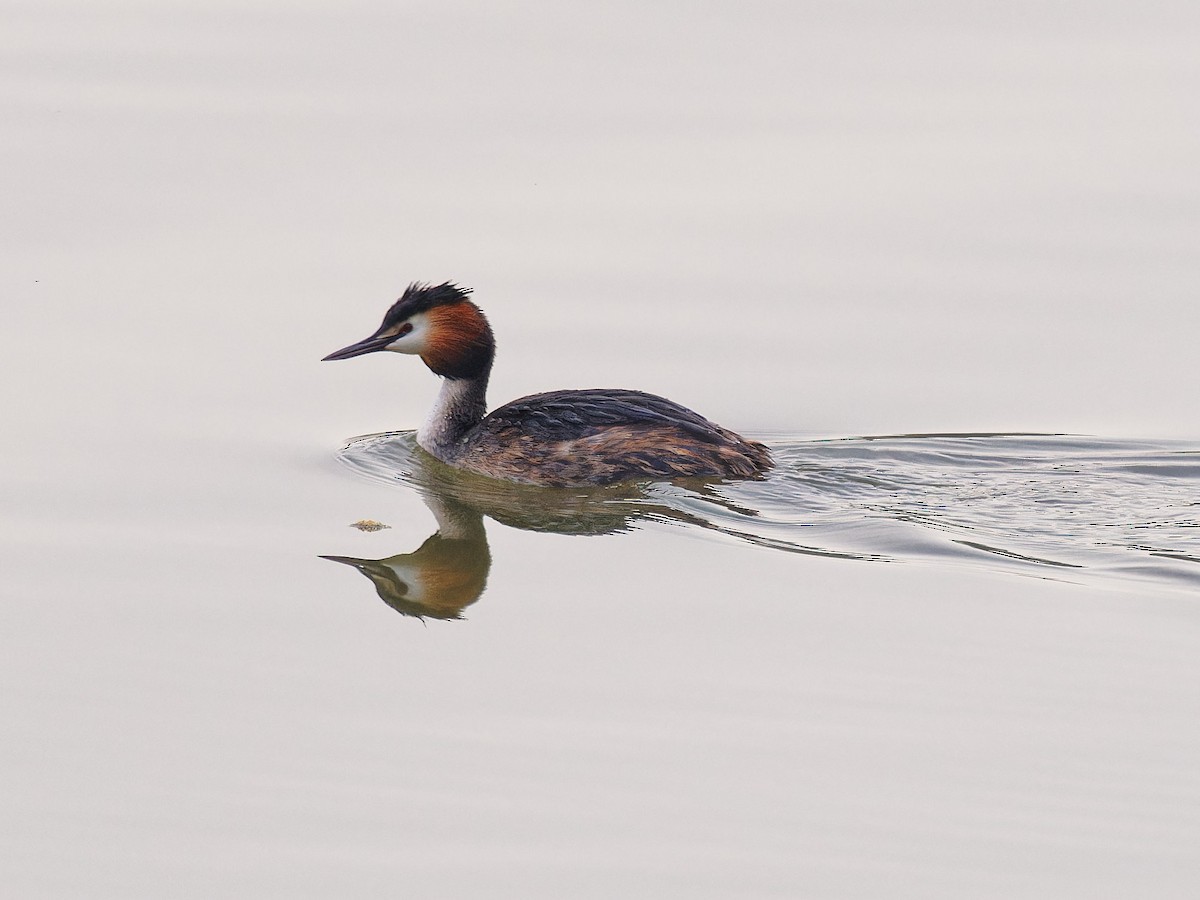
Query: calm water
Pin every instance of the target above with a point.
(960, 660)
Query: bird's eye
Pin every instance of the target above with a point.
(404, 329)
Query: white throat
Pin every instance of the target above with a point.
(458, 408)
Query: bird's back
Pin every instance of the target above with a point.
(605, 436)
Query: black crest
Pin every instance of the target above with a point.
(421, 297)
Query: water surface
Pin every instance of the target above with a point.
(923, 665)
(1083, 510)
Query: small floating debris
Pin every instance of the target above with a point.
(369, 525)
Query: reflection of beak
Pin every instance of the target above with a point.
(368, 345)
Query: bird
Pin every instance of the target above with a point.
(560, 438)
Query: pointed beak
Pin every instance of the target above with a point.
(368, 345)
(348, 560)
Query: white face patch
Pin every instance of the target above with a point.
(410, 575)
(414, 341)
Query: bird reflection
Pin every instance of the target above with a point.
(449, 571)
(443, 576)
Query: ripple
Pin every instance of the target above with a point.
(1053, 506)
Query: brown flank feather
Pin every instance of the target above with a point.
(613, 454)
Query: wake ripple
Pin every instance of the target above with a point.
(1059, 507)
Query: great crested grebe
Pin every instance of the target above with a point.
(560, 438)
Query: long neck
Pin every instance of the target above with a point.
(460, 405)
(460, 348)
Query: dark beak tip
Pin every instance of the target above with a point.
(370, 345)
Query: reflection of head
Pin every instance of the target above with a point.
(449, 571)
(440, 578)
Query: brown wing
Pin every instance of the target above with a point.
(606, 436)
